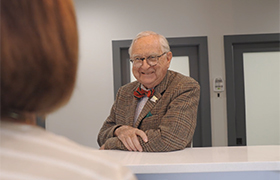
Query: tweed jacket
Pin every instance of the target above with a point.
(169, 122)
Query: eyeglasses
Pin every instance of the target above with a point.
(151, 60)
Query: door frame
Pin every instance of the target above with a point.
(235, 46)
(121, 71)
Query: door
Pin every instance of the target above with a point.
(190, 57)
(253, 93)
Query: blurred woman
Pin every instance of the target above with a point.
(39, 57)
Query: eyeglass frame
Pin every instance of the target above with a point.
(142, 59)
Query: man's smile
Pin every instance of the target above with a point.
(147, 73)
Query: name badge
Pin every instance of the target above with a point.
(154, 99)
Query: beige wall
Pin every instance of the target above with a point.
(101, 21)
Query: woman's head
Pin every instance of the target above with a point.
(39, 52)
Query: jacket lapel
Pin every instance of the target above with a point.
(147, 108)
(132, 108)
(150, 103)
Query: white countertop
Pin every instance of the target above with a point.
(212, 159)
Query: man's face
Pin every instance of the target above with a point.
(145, 74)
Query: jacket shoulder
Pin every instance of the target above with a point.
(182, 80)
(129, 87)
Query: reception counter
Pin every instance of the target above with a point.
(239, 162)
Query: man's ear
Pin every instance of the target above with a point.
(169, 57)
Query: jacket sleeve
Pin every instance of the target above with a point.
(109, 126)
(176, 127)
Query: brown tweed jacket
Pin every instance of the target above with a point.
(169, 122)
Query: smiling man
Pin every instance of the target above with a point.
(157, 112)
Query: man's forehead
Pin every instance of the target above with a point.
(151, 39)
(143, 47)
(145, 54)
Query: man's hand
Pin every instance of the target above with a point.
(102, 147)
(128, 136)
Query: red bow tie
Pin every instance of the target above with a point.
(139, 93)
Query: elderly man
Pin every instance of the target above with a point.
(157, 112)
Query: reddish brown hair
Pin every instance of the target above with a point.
(39, 51)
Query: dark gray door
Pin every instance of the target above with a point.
(239, 112)
(195, 48)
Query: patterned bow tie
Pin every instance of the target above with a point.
(139, 93)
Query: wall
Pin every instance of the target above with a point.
(101, 21)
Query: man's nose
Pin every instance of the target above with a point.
(145, 64)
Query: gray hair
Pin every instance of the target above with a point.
(162, 40)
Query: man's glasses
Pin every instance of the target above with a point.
(151, 60)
